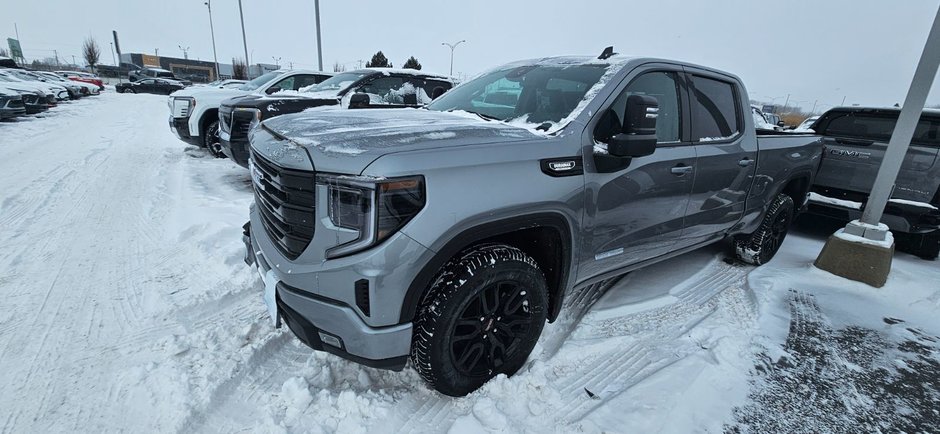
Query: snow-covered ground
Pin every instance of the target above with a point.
(126, 307)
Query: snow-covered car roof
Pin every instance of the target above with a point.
(412, 72)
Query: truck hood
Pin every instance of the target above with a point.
(346, 141)
(210, 93)
(280, 103)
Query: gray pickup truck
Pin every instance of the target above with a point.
(450, 235)
(854, 143)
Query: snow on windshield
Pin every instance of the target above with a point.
(541, 95)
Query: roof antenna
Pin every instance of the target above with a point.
(608, 52)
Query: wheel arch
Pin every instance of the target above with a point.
(207, 117)
(546, 237)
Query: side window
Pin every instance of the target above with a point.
(287, 83)
(430, 85)
(714, 110)
(304, 81)
(663, 86)
(384, 90)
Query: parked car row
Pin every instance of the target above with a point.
(219, 118)
(24, 92)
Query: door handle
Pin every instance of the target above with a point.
(681, 169)
(745, 162)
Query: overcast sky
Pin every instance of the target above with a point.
(863, 50)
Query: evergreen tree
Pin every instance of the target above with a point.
(378, 61)
(412, 63)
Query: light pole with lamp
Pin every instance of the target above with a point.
(452, 47)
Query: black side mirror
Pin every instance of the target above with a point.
(638, 138)
(781, 124)
(359, 100)
(410, 99)
(272, 89)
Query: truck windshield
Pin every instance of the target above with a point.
(532, 93)
(257, 82)
(338, 82)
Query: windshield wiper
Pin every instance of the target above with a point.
(481, 115)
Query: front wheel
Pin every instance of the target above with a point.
(759, 247)
(481, 317)
(211, 140)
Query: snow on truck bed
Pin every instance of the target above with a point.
(127, 307)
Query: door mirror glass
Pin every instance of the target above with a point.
(359, 100)
(272, 89)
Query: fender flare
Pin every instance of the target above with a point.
(468, 237)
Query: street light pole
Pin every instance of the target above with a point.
(452, 47)
(113, 59)
(185, 51)
(316, 7)
(244, 39)
(212, 32)
(277, 61)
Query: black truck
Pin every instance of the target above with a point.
(364, 88)
(855, 140)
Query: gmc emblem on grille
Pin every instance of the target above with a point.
(256, 175)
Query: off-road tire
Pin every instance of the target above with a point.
(457, 293)
(759, 247)
(210, 140)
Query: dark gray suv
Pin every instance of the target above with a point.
(450, 235)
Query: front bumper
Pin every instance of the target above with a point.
(12, 112)
(318, 302)
(180, 127)
(235, 149)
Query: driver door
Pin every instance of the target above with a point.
(636, 207)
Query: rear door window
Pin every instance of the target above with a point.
(715, 110)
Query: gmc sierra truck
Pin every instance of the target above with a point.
(194, 111)
(364, 88)
(854, 143)
(451, 234)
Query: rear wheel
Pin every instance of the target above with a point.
(481, 317)
(759, 247)
(211, 140)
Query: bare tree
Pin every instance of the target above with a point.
(239, 69)
(91, 52)
(4, 52)
(339, 67)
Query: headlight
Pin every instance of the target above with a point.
(255, 117)
(373, 208)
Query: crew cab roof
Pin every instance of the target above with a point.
(411, 72)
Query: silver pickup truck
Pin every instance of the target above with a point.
(450, 235)
(854, 143)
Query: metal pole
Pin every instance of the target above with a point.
(113, 58)
(316, 7)
(843, 101)
(244, 39)
(17, 31)
(814, 107)
(904, 130)
(215, 57)
(452, 47)
(785, 104)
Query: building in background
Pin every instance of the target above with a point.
(193, 70)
